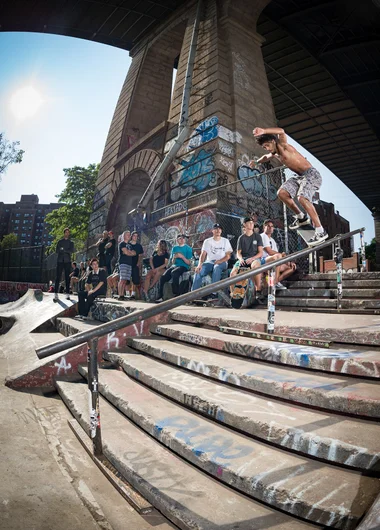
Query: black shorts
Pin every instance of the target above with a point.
(135, 275)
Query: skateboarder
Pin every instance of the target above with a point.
(303, 186)
(215, 253)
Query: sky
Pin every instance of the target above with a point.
(73, 86)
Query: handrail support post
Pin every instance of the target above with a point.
(338, 257)
(93, 386)
(363, 264)
(271, 300)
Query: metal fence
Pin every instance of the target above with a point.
(254, 193)
(22, 264)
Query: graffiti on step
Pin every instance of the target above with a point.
(203, 438)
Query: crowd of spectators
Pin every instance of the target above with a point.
(117, 268)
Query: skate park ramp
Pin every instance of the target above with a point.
(27, 324)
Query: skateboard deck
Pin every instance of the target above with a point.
(222, 300)
(239, 291)
(306, 232)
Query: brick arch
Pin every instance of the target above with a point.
(146, 160)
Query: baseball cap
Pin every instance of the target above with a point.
(217, 225)
(181, 235)
(247, 219)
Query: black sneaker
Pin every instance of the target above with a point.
(297, 223)
(121, 298)
(318, 238)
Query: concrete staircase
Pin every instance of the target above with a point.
(317, 292)
(221, 431)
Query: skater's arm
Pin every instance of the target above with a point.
(264, 158)
(272, 130)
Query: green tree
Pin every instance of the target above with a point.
(370, 251)
(77, 197)
(8, 241)
(9, 153)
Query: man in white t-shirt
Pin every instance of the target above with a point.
(215, 253)
(271, 249)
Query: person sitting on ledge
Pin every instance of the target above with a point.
(217, 250)
(158, 263)
(271, 249)
(180, 256)
(97, 281)
(250, 255)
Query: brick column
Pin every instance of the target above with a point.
(376, 217)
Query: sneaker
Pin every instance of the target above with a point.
(122, 298)
(84, 318)
(67, 297)
(78, 317)
(55, 299)
(297, 223)
(159, 300)
(318, 238)
(280, 286)
(132, 297)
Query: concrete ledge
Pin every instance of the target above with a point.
(348, 329)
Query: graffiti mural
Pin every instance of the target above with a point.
(204, 132)
(196, 226)
(197, 175)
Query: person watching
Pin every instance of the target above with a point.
(64, 250)
(74, 277)
(101, 244)
(136, 263)
(180, 256)
(271, 249)
(97, 283)
(110, 251)
(158, 264)
(215, 253)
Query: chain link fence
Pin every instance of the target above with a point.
(253, 194)
(22, 264)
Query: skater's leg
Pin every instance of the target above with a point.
(285, 197)
(310, 210)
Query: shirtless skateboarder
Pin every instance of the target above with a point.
(303, 186)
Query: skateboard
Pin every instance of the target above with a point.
(239, 291)
(306, 232)
(222, 300)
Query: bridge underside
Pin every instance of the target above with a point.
(322, 60)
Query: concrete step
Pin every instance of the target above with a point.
(345, 276)
(327, 436)
(188, 497)
(340, 359)
(347, 329)
(331, 284)
(329, 303)
(254, 468)
(331, 392)
(328, 293)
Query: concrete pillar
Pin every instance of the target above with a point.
(376, 217)
(230, 96)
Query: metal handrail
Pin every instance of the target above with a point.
(138, 316)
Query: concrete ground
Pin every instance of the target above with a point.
(48, 482)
